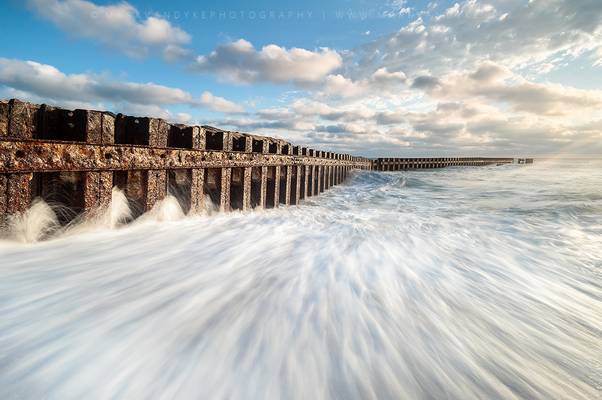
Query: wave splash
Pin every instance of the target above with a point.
(455, 283)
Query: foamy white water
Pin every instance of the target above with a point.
(457, 283)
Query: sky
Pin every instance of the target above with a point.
(374, 78)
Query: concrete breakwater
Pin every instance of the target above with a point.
(74, 158)
(400, 164)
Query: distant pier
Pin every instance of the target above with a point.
(401, 164)
(74, 158)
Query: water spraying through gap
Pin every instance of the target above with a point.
(457, 283)
(37, 223)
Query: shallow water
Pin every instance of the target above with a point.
(456, 283)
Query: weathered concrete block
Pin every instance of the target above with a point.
(320, 179)
(23, 119)
(217, 139)
(225, 189)
(246, 200)
(3, 197)
(306, 181)
(288, 188)
(228, 141)
(152, 132)
(158, 132)
(108, 128)
(264, 186)
(186, 137)
(66, 125)
(181, 136)
(300, 170)
(197, 197)
(18, 193)
(98, 188)
(241, 142)
(4, 117)
(156, 187)
(259, 145)
(285, 147)
(198, 138)
(93, 127)
(277, 174)
(315, 172)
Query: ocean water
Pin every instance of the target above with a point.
(457, 283)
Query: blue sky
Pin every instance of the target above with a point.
(388, 78)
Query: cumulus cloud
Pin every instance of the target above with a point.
(493, 82)
(220, 104)
(310, 108)
(516, 33)
(240, 62)
(489, 71)
(425, 82)
(472, 83)
(381, 83)
(116, 26)
(338, 85)
(49, 84)
(469, 78)
(47, 81)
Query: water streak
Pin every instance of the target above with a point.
(458, 283)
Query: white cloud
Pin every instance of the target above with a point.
(380, 83)
(598, 57)
(514, 33)
(47, 83)
(182, 118)
(397, 8)
(494, 83)
(338, 85)
(116, 26)
(240, 62)
(219, 104)
(383, 77)
(472, 79)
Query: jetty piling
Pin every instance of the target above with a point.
(76, 157)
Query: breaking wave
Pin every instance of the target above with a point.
(454, 283)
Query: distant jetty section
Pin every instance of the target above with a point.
(74, 158)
